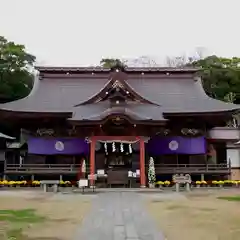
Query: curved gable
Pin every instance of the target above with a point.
(117, 86)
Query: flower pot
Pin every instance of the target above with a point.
(151, 185)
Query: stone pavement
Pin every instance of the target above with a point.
(118, 216)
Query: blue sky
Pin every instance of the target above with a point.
(79, 32)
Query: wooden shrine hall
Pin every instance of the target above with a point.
(115, 120)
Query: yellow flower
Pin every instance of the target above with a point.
(36, 182)
(198, 182)
(167, 182)
(214, 182)
(228, 181)
(203, 182)
(159, 182)
(12, 183)
(4, 182)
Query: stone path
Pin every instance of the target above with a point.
(118, 216)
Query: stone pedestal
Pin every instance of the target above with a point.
(55, 188)
(177, 187)
(45, 188)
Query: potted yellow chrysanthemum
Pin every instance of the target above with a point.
(198, 183)
(160, 184)
(167, 183)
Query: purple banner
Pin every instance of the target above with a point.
(65, 146)
(176, 145)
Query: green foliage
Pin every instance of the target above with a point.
(18, 220)
(112, 62)
(231, 198)
(24, 215)
(151, 171)
(16, 80)
(221, 77)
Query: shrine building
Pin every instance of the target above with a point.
(115, 120)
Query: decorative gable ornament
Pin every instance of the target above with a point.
(59, 146)
(190, 131)
(117, 84)
(45, 132)
(173, 145)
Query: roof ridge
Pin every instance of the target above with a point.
(126, 69)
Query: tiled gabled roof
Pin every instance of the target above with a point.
(172, 95)
(99, 111)
(179, 95)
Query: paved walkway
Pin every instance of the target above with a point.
(118, 216)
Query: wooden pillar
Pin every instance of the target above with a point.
(142, 164)
(92, 160)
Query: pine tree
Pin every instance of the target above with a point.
(151, 171)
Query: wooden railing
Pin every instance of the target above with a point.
(192, 168)
(159, 168)
(41, 168)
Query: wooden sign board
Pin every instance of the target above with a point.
(82, 183)
(100, 172)
(180, 178)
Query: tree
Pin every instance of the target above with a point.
(16, 79)
(143, 61)
(220, 76)
(151, 171)
(112, 62)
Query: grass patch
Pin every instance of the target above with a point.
(231, 198)
(23, 216)
(15, 234)
(18, 219)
